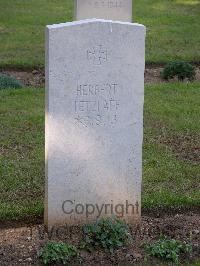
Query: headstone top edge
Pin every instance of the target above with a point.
(94, 20)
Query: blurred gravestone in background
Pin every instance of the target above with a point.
(119, 10)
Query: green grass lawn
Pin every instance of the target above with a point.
(173, 29)
(171, 172)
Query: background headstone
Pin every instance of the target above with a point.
(120, 10)
(94, 120)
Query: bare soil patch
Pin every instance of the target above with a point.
(18, 246)
(186, 147)
(152, 75)
(36, 78)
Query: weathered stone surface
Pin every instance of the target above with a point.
(94, 120)
(120, 10)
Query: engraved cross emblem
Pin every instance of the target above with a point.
(97, 55)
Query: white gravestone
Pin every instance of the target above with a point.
(94, 121)
(120, 10)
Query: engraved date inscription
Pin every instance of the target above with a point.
(107, 3)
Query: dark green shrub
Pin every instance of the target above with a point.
(9, 82)
(169, 249)
(179, 69)
(108, 233)
(57, 253)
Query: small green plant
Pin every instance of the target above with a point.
(179, 69)
(169, 249)
(9, 82)
(57, 253)
(108, 233)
